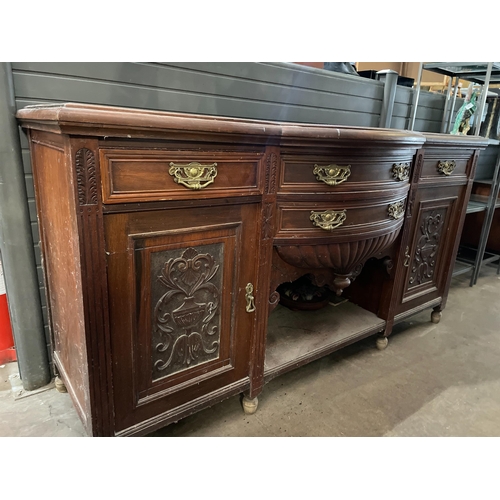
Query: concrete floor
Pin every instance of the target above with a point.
(432, 380)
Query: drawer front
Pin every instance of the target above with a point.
(140, 175)
(446, 164)
(342, 173)
(336, 220)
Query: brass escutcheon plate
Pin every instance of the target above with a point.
(401, 171)
(332, 174)
(329, 219)
(193, 175)
(396, 210)
(446, 167)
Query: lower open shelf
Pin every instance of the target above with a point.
(477, 203)
(468, 255)
(295, 338)
(461, 268)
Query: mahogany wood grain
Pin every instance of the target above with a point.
(107, 121)
(434, 227)
(133, 241)
(267, 294)
(159, 295)
(462, 212)
(54, 187)
(365, 173)
(362, 221)
(436, 155)
(137, 175)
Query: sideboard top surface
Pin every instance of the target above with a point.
(450, 140)
(107, 121)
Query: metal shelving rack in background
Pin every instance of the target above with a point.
(484, 74)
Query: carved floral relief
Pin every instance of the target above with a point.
(186, 308)
(424, 262)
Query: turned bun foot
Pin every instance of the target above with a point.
(339, 283)
(60, 385)
(436, 316)
(382, 343)
(250, 405)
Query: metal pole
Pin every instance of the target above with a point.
(390, 79)
(484, 94)
(452, 110)
(446, 105)
(16, 247)
(416, 97)
(488, 219)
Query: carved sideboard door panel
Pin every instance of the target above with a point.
(180, 310)
(429, 245)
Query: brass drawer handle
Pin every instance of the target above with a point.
(401, 171)
(332, 174)
(249, 298)
(446, 167)
(194, 175)
(329, 219)
(396, 210)
(406, 262)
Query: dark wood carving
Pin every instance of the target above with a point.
(267, 223)
(343, 258)
(186, 317)
(411, 200)
(388, 264)
(86, 177)
(271, 170)
(418, 166)
(424, 262)
(282, 272)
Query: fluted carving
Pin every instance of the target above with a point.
(345, 259)
(86, 177)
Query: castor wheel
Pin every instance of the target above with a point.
(60, 385)
(250, 405)
(436, 316)
(382, 343)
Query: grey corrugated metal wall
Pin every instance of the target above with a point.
(269, 91)
(429, 112)
(487, 161)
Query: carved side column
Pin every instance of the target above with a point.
(85, 159)
(402, 259)
(471, 170)
(264, 297)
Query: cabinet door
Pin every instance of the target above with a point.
(180, 332)
(430, 244)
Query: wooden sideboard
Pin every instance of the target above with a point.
(165, 236)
